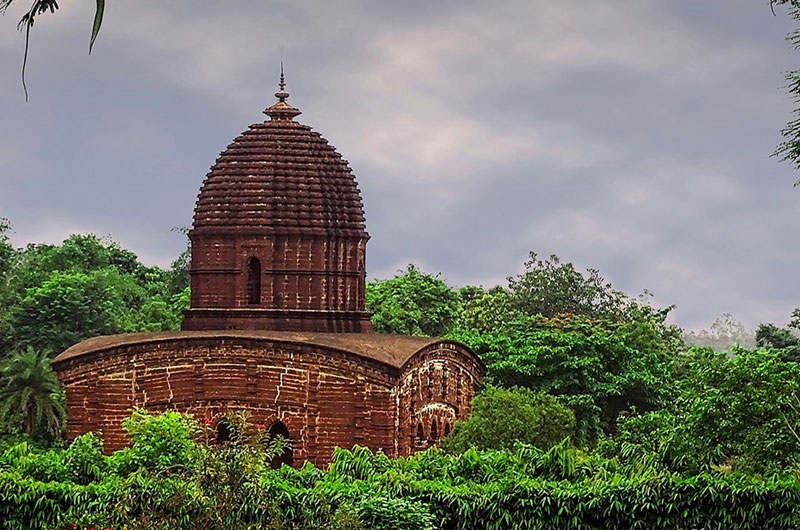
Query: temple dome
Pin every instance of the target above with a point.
(280, 175)
(279, 236)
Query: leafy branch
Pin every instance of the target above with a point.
(39, 7)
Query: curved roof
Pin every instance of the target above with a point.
(281, 175)
(393, 350)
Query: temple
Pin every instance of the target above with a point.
(277, 322)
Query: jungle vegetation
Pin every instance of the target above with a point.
(595, 414)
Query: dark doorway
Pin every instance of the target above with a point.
(253, 281)
(279, 429)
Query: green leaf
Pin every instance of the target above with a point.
(98, 21)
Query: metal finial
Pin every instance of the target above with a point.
(282, 84)
(282, 94)
(281, 110)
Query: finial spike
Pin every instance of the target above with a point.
(280, 110)
(282, 83)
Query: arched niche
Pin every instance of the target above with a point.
(287, 457)
(253, 281)
(224, 432)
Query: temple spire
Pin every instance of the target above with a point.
(282, 110)
(282, 94)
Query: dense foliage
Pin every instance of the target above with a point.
(412, 303)
(501, 417)
(52, 296)
(785, 341)
(597, 367)
(739, 412)
(178, 482)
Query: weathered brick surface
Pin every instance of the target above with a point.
(326, 397)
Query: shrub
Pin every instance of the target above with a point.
(501, 417)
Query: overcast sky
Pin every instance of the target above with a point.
(632, 137)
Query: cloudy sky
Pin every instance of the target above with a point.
(632, 137)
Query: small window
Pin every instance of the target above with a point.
(253, 281)
(420, 432)
(434, 432)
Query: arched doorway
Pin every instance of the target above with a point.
(253, 281)
(279, 429)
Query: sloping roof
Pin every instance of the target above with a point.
(393, 350)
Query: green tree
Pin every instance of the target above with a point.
(501, 417)
(30, 389)
(550, 287)
(598, 367)
(782, 340)
(487, 311)
(71, 306)
(6, 250)
(740, 412)
(54, 295)
(785, 340)
(412, 303)
(789, 149)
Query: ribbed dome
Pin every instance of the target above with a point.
(280, 176)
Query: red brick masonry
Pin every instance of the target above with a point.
(397, 394)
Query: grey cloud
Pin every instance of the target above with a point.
(633, 138)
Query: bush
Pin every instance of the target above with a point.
(501, 417)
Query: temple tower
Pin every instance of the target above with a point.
(279, 236)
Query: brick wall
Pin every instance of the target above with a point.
(325, 397)
(306, 283)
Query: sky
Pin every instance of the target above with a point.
(630, 137)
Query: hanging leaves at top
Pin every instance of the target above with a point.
(39, 7)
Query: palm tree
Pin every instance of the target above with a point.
(29, 387)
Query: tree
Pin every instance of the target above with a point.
(784, 341)
(29, 388)
(598, 367)
(550, 287)
(71, 306)
(54, 295)
(501, 417)
(725, 333)
(741, 412)
(487, 311)
(412, 303)
(789, 149)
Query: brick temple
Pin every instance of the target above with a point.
(277, 323)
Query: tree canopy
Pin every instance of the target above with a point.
(52, 296)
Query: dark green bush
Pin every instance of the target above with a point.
(500, 417)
